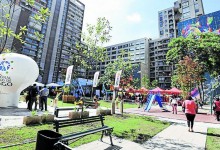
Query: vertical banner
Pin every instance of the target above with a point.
(69, 75)
(117, 78)
(95, 80)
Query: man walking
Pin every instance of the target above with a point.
(43, 98)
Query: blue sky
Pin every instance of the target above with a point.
(133, 19)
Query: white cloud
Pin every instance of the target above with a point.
(135, 17)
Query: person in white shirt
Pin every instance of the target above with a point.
(174, 104)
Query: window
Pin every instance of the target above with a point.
(185, 4)
(185, 10)
(186, 15)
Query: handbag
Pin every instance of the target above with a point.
(183, 107)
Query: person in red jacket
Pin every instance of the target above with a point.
(190, 111)
(217, 108)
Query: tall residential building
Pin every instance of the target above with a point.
(64, 31)
(23, 16)
(139, 54)
(168, 20)
(182, 10)
(159, 69)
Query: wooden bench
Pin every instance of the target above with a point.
(58, 109)
(72, 122)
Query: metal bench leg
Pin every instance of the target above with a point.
(102, 135)
(110, 136)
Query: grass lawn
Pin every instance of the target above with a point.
(127, 127)
(102, 104)
(126, 105)
(213, 139)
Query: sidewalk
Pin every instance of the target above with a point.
(175, 137)
(203, 115)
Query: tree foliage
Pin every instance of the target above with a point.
(121, 63)
(8, 9)
(94, 38)
(187, 74)
(147, 84)
(203, 48)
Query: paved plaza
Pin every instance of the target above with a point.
(174, 137)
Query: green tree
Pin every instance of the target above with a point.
(123, 63)
(8, 10)
(147, 84)
(188, 74)
(204, 48)
(94, 38)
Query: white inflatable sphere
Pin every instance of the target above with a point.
(17, 72)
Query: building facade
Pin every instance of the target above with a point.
(168, 20)
(138, 50)
(159, 69)
(205, 23)
(182, 10)
(64, 31)
(23, 16)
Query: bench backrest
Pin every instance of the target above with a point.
(72, 122)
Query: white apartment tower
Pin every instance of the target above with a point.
(182, 10)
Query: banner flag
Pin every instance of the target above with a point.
(69, 75)
(117, 78)
(95, 80)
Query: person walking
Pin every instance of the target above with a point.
(33, 95)
(174, 104)
(190, 107)
(216, 108)
(43, 98)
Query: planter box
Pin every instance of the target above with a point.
(64, 98)
(70, 99)
(103, 112)
(84, 114)
(32, 120)
(47, 118)
(74, 115)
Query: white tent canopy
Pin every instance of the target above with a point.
(53, 84)
(38, 84)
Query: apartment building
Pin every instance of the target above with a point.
(181, 11)
(159, 69)
(64, 31)
(168, 20)
(23, 16)
(138, 50)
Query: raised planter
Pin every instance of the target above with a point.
(70, 99)
(64, 98)
(47, 118)
(74, 115)
(84, 114)
(28, 120)
(103, 112)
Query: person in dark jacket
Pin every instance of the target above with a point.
(33, 95)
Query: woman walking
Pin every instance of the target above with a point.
(190, 111)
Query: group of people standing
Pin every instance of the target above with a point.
(32, 97)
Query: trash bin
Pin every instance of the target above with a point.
(46, 139)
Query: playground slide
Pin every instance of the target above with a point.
(159, 100)
(149, 102)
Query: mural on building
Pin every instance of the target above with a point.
(204, 23)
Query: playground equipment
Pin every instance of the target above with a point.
(150, 100)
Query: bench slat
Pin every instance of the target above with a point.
(67, 120)
(65, 124)
(84, 133)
